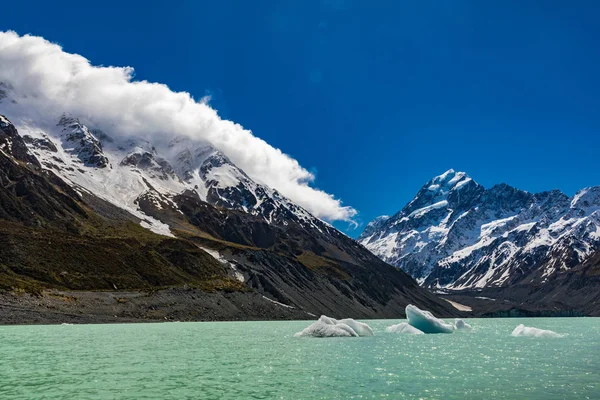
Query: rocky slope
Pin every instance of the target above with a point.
(575, 292)
(456, 234)
(75, 206)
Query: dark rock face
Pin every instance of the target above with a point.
(30, 196)
(318, 271)
(156, 166)
(12, 144)
(41, 143)
(83, 143)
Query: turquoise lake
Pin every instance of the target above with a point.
(262, 360)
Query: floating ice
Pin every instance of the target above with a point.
(426, 322)
(523, 330)
(330, 327)
(360, 328)
(462, 325)
(321, 329)
(403, 327)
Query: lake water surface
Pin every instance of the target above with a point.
(262, 360)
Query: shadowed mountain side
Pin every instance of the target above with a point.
(575, 292)
(53, 237)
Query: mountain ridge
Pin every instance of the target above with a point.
(455, 234)
(297, 263)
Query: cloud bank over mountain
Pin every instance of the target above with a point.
(44, 80)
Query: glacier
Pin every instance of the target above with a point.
(426, 322)
(523, 330)
(330, 327)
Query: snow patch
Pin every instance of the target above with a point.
(458, 306)
(276, 302)
(156, 226)
(236, 273)
(461, 184)
(422, 211)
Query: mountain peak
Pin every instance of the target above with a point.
(444, 188)
(457, 234)
(448, 178)
(4, 122)
(446, 174)
(587, 198)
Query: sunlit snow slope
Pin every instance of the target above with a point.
(456, 234)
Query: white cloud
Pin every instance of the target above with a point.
(54, 81)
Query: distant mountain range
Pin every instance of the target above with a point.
(457, 235)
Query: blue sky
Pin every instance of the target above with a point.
(374, 97)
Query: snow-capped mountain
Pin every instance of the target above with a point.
(71, 196)
(456, 234)
(127, 170)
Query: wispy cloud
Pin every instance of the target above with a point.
(51, 81)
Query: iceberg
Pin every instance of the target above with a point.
(360, 328)
(426, 322)
(330, 327)
(403, 327)
(523, 330)
(462, 325)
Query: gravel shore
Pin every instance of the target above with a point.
(87, 307)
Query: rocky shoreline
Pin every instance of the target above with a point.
(99, 307)
(188, 305)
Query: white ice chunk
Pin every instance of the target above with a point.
(523, 330)
(426, 322)
(321, 329)
(327, 320)
(360, 328)
(330, 327)
(403, 327)
(462, 325)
